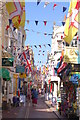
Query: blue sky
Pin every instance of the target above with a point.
(39, 13)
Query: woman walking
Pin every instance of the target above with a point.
(34, 96)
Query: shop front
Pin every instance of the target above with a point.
(5, 77)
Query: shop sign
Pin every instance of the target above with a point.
(70, 55)
(20, 69)
(74, 78)
(7, 62)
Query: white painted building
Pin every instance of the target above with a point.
(56, 49)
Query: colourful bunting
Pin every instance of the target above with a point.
(35, 46)
(46, 3)
(63, 23)
(64, 9)
(45, 33)
(39, 50)
(49, 45)
(10, 22)
(45, 22)
(38, 32)
(43, 51)
(64, 18)
(61, 37)
(36, 22)
(14, 29)
(40, 46)
(27, 29)
(27, 21)
(7, 27)
(44, 45)
(38, 1)
(54, 6)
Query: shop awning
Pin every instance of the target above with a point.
(4, 73)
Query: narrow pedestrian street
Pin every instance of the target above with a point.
(40, 59)
(41, 110)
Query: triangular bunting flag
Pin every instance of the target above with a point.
(43, 54)
(54, 6)
(45, 22)
(38, 54)
(49, 34)
(27, 29)
(39, 50)
(10, 21)
(38, 1)
(64, 18)
(43, 51)
(46, 3)
(7, 27)
(45, 33)
(36, 22)
(18, 49)
(35, 46)
(44, 45)
(27, 21)
(63, 23)
(49, 45)
(40, 46)
(14, 29)
(64, 9)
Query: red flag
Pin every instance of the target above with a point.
(40, 46)
(27, 21)
(54, 6)
(7, 27)
(45, 22)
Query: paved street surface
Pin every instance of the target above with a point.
(41, 110)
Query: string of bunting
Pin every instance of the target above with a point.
(47, 3)
(15, 48)
(49, 34)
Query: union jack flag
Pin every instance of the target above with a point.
(25, 59)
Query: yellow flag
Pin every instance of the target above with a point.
(71, 25)
(16, 12)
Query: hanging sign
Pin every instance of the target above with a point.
(20, 69)
(70, 55)
(7, 62)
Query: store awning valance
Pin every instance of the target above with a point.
(4, 73)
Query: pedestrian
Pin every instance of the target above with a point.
(60, 108)
(34, 96)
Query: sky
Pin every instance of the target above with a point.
(38, 13)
